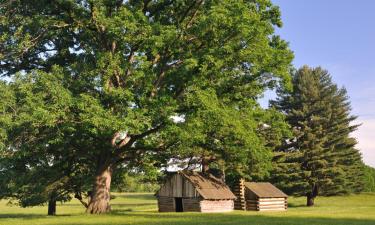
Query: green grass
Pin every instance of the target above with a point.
(141, 209)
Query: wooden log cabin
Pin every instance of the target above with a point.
(260, 196)
(190, 191)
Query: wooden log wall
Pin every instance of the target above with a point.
(166, 204)
(178, 186)
(216, 205)
(267, 204)
(191, 205)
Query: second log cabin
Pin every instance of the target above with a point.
(260, 196)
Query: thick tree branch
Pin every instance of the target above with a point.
(78, 196)
(148, 132)
(122, 143)
(185, 14)
(194, 15)
(124, 148)
(130, 139)
(161, 76)
(130, 60)
(156, 60)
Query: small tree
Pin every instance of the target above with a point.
(369, 179)
(38, 164)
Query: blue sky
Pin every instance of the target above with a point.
(338, 35)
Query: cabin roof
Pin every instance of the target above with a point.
(207, 185)
(265, 190)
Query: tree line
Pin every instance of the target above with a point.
(97, 89)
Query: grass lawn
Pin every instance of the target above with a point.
(141, 209)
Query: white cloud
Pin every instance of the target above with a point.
(366, 139)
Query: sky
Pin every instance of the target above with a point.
(338, 35)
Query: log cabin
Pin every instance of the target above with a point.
(262, 196)
(191, 191)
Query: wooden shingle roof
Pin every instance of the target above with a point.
(265, 190)
(208, 186)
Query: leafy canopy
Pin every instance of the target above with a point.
(84, 70)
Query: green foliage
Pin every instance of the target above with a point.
(321, 155)
(135, 182)
(369, 179)
(35, 166)
(81, 71)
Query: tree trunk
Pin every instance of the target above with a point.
(310, 200)
(52, 207)
(100, 196)
(312, 195)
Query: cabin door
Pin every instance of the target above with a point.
(178, 204)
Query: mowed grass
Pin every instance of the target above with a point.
(142, 209)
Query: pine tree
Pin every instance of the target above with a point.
(349, 160)
(320, 158)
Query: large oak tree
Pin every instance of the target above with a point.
(100, 81)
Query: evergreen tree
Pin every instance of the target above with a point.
(345, 156)
(321, 157)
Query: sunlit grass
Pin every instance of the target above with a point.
(141, 209)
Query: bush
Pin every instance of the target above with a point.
(135, 182)
(369, 179)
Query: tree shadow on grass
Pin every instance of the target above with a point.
(28, 216)
(294, 205)
(225, 219)
(21, 216)
(121, 211)
(124, 217)
(235, 219)
(154, 217)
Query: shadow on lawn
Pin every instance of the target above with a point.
(28, 216)
(197, 218)
(21, 216)
(227, 219)
(293, 205)
(233, 219)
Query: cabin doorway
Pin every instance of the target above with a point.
(178, 204)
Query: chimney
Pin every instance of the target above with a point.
(239, 192)
(205, 165)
